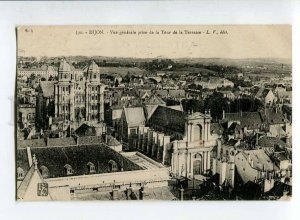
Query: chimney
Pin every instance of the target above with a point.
(181, 193)
(128, 192)
(142, 192)
(114, 193)
(256, 139)
(252, 163)
(219, 148)
(223, 114)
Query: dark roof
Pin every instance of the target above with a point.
(250, 120)
(89, 140)
(262, 92)
(55, 159)
(22, 159)
(216, 128)
(85, 130)
(272, 117)
(68, 141)
(234, 127)
(169, 119)
(232, 142)
(266, 141)
(31, 143)
(178, 93)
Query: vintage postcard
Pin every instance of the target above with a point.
(170, 112)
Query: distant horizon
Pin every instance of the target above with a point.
(240, 42)
(159, 57)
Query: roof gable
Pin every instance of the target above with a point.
(134, 116)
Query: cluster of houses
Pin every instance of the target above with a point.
(144, 115)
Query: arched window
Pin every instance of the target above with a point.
(20, 173)
(197, 132)
(113, 166)
(68, 169)
(44, 171)
(197, 164)
(91, 167)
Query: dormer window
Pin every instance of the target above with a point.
(20, 173)
(91, 167)
(44, 171)
(113, 166)
(68, 169)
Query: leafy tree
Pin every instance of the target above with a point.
(192, 105)
(216, 103)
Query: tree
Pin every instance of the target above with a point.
(116, 83)
(216, 103)
(192, 105)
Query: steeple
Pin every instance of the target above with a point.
(35, 162)
(93, 72)
(64, 71)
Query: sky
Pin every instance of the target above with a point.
(238, 42)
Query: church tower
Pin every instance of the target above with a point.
(78, 100)
(64, 92)
(94, 94)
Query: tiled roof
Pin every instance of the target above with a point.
(22, 159)
(154, 100)
(251, 120)
(59, 142)
(260, 159)
(266, 141)
(31, 143)
(161, 93)
(216, 128)
(178, 93)
(262, 92)
(232, 142)
(111, 141)
(85, 130)
(55, 159)
(167, 118)
(272, 117)
(134, 115)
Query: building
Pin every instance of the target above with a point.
(131, 119)
(183, 142)
(253, 165)
(88, 171)
(266, 96)
(79, 98)
(45, 72)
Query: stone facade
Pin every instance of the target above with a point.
(79, 99)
